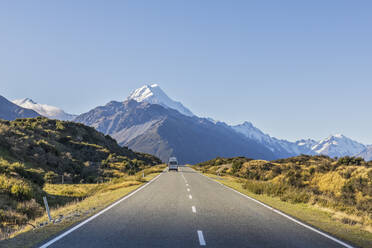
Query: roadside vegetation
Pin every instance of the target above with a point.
(37, 155)
(342, 188)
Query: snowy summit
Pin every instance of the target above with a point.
(153, 94)
(44, 110)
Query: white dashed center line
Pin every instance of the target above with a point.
(188, 189)
(201, 238)
(190, 196)
(193, 209)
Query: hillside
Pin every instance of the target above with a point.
(38, 150)
(11, 111)
(343, 185)
(164, 132)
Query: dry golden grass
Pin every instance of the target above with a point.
(72, 190)
(331, 181)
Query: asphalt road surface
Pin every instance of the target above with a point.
(186, 209)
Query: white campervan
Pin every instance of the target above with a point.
(173, 164)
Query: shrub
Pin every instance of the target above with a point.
(50, 176)
(295, 196)
(30, 208)
(350, 161)
(22, 191)
(12, 217)
(236, 166)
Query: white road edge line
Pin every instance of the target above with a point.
(286, 216)
(193, 209)
(98, 214)
(201, 238)
(190, 196)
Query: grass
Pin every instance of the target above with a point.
(325, 219)
(98, 196)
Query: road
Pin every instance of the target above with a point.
(186, 209)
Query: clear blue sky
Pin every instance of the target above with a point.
(296, 69)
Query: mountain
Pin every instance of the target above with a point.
(333, 146)
(366, 153)
(153, 94)
(281, 148)
(45, 110)
(10, 111)
(338, 146)
(165, 132)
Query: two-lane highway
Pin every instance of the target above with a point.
(186, 209)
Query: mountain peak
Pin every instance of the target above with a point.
(155, 95)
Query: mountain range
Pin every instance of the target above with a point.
(150, 121)
(336, 145)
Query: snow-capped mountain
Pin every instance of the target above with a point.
(338, 146)
(153, 94)
(333, 146)
(44, 110)
(282, 148)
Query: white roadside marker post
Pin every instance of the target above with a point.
(47, 207)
